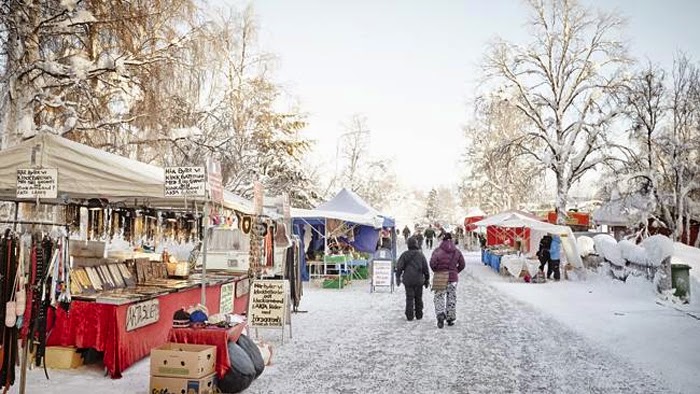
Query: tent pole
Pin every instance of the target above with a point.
(205, 225)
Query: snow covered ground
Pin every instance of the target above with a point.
(595, 336)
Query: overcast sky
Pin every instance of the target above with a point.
(411, 67)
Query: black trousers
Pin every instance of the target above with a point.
(414, 302)
(553, 268)
(429, 243)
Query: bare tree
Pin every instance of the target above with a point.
(564, 83)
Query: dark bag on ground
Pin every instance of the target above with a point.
(253, 352)
(242, 372)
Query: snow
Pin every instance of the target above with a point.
(597, 335)
(69, 5)
(606, 246)
(586, 245)
(658, 248)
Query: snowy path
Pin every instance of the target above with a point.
(352, 341)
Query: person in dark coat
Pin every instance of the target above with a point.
(412, 270)
(429, 234)
(447, 257)
(406, 233)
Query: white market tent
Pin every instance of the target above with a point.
(85, 172)
(475, 212)
(538, 228)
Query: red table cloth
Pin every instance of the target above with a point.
(213, 336)
(103, 327)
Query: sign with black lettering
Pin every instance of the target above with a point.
(381, 272)
(185, 182)
(37, 182)
(268, 303)
(226, 298)
(142, 314)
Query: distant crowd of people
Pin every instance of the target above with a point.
(431, 233)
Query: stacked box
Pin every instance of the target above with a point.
(179, 367)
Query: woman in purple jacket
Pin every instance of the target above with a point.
(447, 258)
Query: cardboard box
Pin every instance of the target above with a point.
(181, 360)
(161, 385)
(60, 357)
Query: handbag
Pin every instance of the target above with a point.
(440, 279)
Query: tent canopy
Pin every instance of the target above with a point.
(349, 207)
(85, 172)
(518, 219)
(475, 212)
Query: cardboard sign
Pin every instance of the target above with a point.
(33, 182)
(268, 303)
(381, 272)
(142, 314)
(185, 181)
(242, 287)
(226, 298)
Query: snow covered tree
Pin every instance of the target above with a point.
(564, 83)
(499, 176)
(431, 209)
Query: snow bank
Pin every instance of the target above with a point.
(658, 248)
(586, 246)
(632, 252)
(606, 246)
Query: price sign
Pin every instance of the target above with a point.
(37, 182)
(142, 314)
(185, 181)
(268, 303)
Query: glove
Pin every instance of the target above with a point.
(398, 282)
(426, 284)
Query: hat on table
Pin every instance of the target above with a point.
(181, 319)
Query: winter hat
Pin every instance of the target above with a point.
(198, 316)
(181, 319)
(447, 236)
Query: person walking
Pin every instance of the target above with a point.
(406, 233)
(554, 258)
(446, 262)
(412, 270)
(429, 234)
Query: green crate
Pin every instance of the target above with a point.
(361, 272)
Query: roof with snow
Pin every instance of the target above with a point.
(474, 212)
(620, 211)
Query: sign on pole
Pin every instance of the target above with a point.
(214, 178)
(381, 274)
(37, 183)
(185, 182)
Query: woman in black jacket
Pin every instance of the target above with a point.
(412, 269)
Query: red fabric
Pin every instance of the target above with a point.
(496, 235)
(214, 336)
(103, 327)
(468, 226)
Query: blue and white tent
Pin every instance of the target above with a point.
(349, 208)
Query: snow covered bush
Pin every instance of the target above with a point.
(586, 246)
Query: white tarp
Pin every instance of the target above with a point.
(515, 219)
(85, 172)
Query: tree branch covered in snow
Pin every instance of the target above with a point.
(564, 82)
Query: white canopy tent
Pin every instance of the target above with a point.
(538, 228)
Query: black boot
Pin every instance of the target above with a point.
(419, 315)
(450, 322)
(441, 320)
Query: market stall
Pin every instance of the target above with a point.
(513, 241)
(341, 235)
(103, 295)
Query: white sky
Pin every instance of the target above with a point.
(411, 67)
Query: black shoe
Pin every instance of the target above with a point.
(450, 322)
(441, 320)
(409, 318)
(418, 317)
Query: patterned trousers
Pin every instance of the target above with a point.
(446, 301)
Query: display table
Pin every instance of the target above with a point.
(214, 336)
(491, 259)
(103, 326)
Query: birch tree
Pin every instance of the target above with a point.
(565, 80)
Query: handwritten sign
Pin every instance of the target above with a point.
(226, 298)
(381, 272)
(142, 314)
(268, 303)
(185, 181)
(41, 182)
